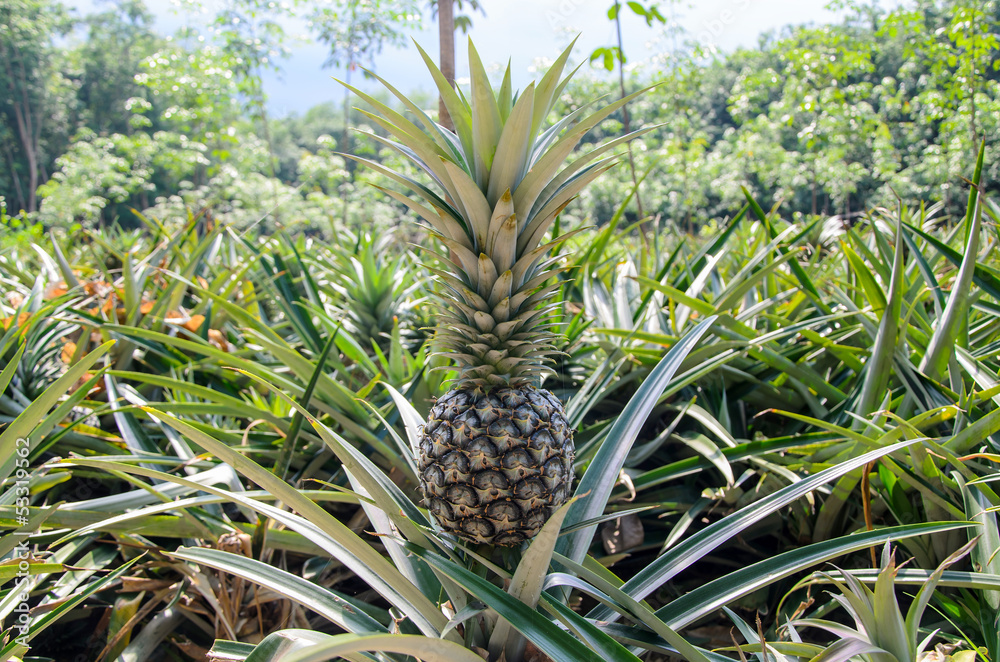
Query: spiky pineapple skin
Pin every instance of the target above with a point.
(495, 463)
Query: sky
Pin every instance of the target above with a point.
(529, 32)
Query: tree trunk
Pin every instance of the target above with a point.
(28, 131)
(18, 190)
(446, 34)
(972, 111)
(626, 119)
(815, 209)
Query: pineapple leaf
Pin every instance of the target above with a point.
(336, 608)
(458, 109)
(26, 424)
(513, 149)
(471, 199)
(545, 168)
(505, 95)
(548, 89)
(527, 582)
(486, 124)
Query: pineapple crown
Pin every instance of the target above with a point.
(375, 287)
(501, 179)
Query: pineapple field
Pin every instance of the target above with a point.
(493, 382)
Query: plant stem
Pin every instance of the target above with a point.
(446, 35)
(626, 120)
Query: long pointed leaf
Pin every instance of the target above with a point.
(598, 481)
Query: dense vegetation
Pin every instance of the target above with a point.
(834, 119)
(781, 351)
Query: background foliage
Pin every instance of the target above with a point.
(830, 120)
(793, 360)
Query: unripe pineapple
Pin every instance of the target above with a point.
(494, 462)
(496, 455)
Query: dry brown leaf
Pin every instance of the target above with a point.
(136, 584)
(97, 288)
(533, 654)
(235, 543)
(22, 318)
(622, 534)
(191, 649)
(68, 350)
(194, 323)
(56, 290)
(97, 388)
(218, 339)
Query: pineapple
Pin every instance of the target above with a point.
(376, 291)
(496, 453)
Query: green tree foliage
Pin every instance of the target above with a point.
(355, 32)
(252, 37)
(105, 63)
(829, 120)
(27, 30)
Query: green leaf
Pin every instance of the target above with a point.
(550, 639)
(8, 372)
(879, 365)
(9, 569)
(284, 643)
(135, 438)
(951, 329)
(526, 584)
(327, 647)
(27, 421)
(412, 421)
(589, 632)
(288, 444)
(874, 293)
(601, 475)
(335, 608)
(807, 285)
(638, 611)
(915, 614)
(686, 553)
(514, 148)
(46, 620)
(317, 524)
(486, 124)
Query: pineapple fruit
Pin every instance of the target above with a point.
(496, 454)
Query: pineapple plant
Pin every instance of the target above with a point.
(496, 453)
(376, 291)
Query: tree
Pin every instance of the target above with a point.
(104, 66)
(26, 55)
(252, 36)
(612, 55)
(447, 24)
(355, 32)
(446, 35)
